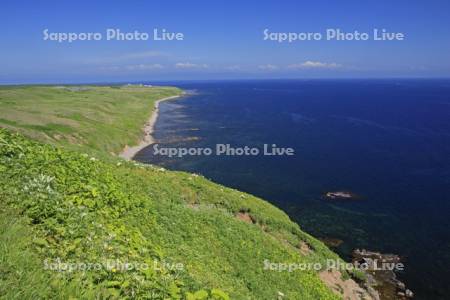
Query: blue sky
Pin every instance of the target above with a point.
(222, 40)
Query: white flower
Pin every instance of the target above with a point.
(42, 183)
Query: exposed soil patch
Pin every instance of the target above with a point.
(244, 216)
(304, 248)
(347, 289)
(332, 242)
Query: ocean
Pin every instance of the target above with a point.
(385, 141)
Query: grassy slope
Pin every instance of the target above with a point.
(63, 204)
(102, 119)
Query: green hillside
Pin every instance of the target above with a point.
(66, 203)
(90, 118)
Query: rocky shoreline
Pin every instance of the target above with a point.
(380, 270)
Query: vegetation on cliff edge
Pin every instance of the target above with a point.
(62, 205)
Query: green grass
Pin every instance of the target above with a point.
(59, 203)
(101, 119)
(21, 267)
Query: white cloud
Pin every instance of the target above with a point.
(109, 68)
(233, 68)
(188, 65)
(314, 65)
(144, 67)
(133, 68)
(146, 56)
(268, 67)
(142, 55)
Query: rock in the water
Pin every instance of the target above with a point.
(340, 195)
(401, 285)
(409, 293)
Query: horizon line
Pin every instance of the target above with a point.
(120, 82)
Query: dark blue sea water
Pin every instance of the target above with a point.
(388, 141)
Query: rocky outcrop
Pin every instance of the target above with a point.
(381, 275)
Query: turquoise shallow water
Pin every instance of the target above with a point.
(388, 141)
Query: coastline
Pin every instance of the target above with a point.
(331, 279)
(129, 152)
